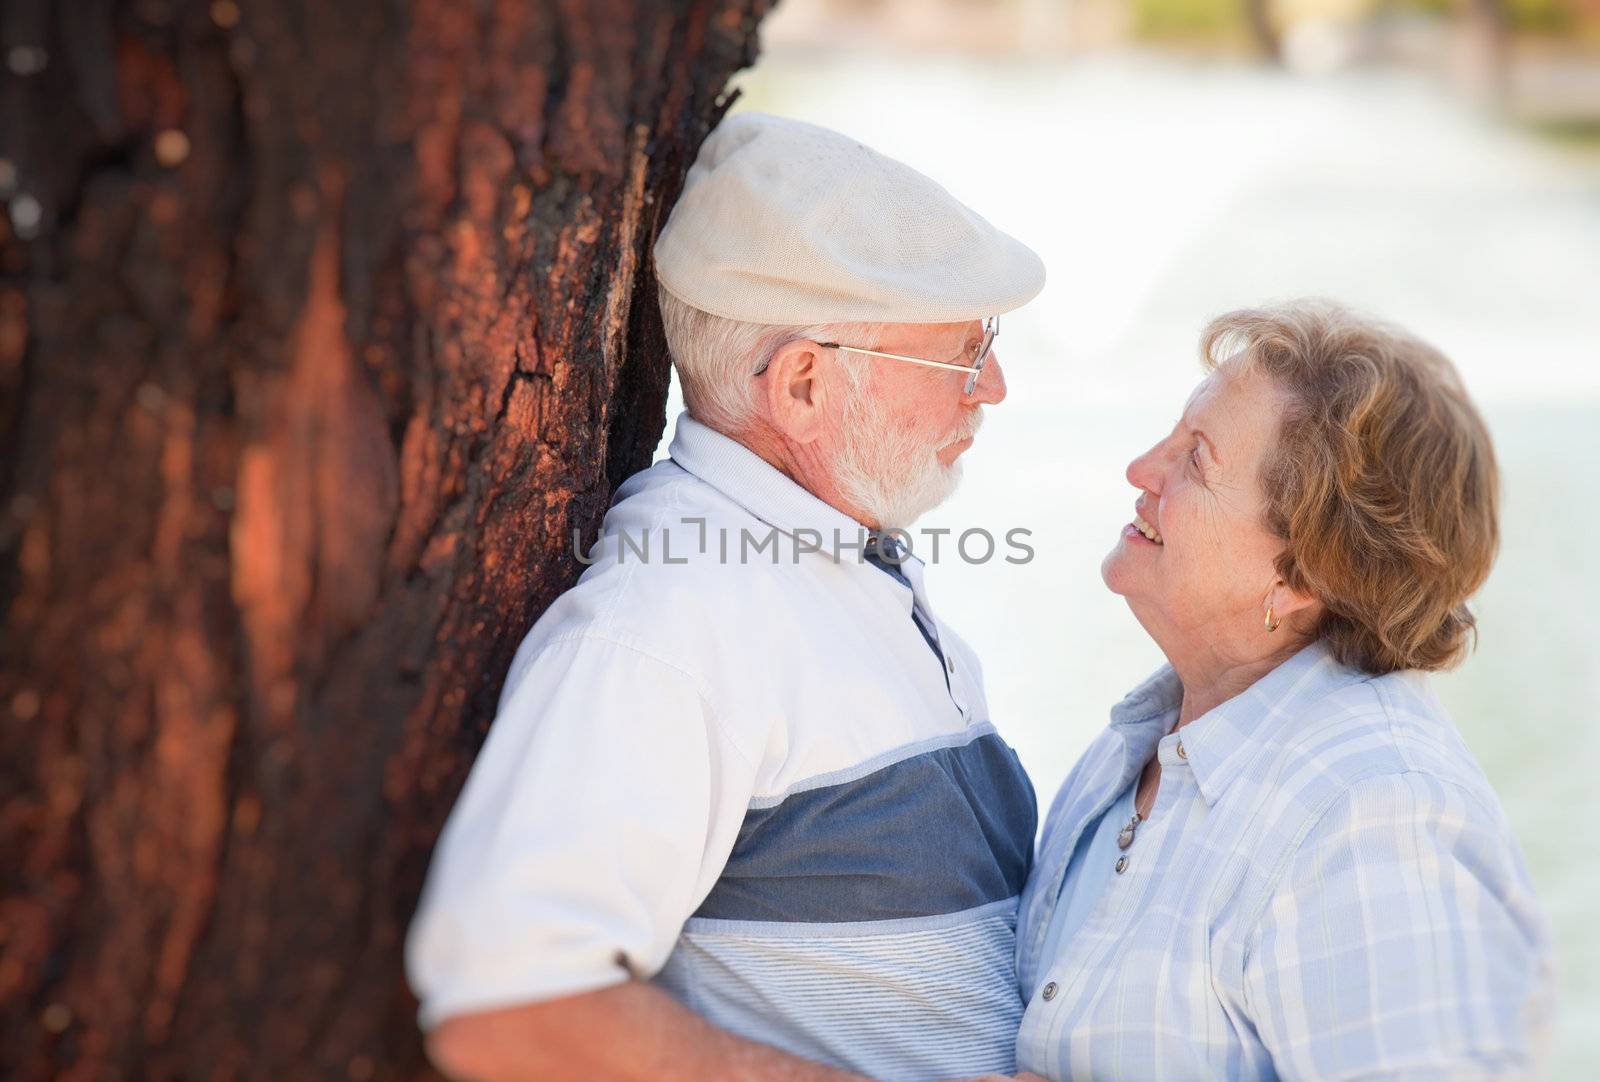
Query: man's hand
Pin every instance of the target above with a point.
(629, 1031)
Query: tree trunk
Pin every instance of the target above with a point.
(322, 324)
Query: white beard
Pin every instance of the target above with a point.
(890, 475)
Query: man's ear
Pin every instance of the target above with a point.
(794, 391)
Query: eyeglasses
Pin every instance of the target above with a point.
(991, 331)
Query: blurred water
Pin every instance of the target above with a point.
(1162, 191)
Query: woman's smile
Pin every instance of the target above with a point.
(1145, 531)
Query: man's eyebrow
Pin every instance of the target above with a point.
(969, 342)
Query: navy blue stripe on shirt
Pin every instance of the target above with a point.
(939, 832)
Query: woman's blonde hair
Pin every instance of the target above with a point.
(1383, 484)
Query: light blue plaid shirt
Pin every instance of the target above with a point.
(1326, 888)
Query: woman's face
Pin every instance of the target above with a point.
(1198, 573)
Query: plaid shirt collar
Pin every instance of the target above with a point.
(1221, 743)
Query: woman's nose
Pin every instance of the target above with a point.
(991, 388)
(1144, 472)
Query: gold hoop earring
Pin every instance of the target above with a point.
(1272, 625)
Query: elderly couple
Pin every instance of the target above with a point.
(746, 819)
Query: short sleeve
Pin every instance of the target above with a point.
(1403, 941)
(596, 817)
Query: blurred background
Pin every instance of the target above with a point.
(1433, 162)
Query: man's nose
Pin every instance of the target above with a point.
(991, 388)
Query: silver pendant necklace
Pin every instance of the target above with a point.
(1126, 835)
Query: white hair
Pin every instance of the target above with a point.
(890, 475)
(718, 358)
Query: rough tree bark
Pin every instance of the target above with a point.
(321, 325)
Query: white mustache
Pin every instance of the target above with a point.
(891, 473)
(968, 428)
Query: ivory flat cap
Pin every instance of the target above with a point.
(787, 223)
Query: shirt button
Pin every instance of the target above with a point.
(1181, 753)
(951, 663)
(1122, 865)
(1050, 991)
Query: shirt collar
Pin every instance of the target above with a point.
(1143, 717)
(1224, 741)
(756, 485)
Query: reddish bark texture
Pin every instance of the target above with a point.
(322, 324)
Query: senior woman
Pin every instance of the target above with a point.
(1280, 860)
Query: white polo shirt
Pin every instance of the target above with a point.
(732, 764)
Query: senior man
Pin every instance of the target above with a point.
(742, 813)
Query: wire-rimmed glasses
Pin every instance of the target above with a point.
(991, 331)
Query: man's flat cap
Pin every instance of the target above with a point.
(787, 223)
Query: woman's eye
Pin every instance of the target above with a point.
(1194, 456)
